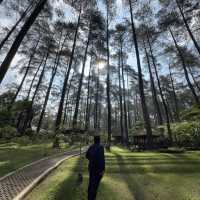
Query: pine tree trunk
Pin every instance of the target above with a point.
(67, 98)
(185, 69)
(161, 92)
(54, 71)
(25, 75)
(193, 78)
(171, 118)
(140, 82)
(18, 40)
(175, 96)
(96, 101)
(15, 25)
(120, 100)
(128, 103)
(45, 103)
(71, 108)
(75, 117)
(188, 28)
(34, 77)
(99, 116)
(40, 78)
(124, 97)
(153, 89)
(29, 111)
(87, 117)
(108, 82)
(135, 109)
(64, 89)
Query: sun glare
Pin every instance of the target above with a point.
(101, 65)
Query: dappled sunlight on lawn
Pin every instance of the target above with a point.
(129, 176)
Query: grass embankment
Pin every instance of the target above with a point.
(129, 176)
(14, 155)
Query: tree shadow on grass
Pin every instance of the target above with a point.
(105, 192)
(135, 188)
(72, 188)
(149, 181)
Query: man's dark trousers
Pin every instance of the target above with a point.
(94, 181)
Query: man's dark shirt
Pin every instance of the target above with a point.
(95, 155)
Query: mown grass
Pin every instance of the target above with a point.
(14, 155)
(129, 176)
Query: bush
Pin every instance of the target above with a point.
(24, 140)
(5, 118)
(187, 134)
(8, 132)
(192, 114)
(29, 132)
(57, 140)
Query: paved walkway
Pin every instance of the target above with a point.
(13, 184)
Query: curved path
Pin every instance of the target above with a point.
(17, 184)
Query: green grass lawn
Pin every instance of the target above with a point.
(14, 155)
(129, 176)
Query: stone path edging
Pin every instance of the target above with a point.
(30, 187)
(17, 184)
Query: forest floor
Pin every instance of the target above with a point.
(129, 176)
(14, 155)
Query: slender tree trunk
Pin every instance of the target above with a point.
(87, 117)
(188, 27)
(193, 78)
(67, 98)
(171, 118)
(128, 102)
(99, 116)
(153, 89)
(15, 25)
(96, 101)
(161, 92)
(34, 77)
(29, 117)
(18, 40)
(124, 97)
(120, 99)
(108, 82)
(40, 78)
(140, 82)
(25, 75)
(54, 71)
(61, 104)
(185, 69)
(175, 96)
(70, 109)
(75, 117)
(45, 102)
(135, 109)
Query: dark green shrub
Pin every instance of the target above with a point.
(23, 140)
(57, 140)
(192, 114)
(187, 134)
(29, 132)
(5, 118)
(8, 132)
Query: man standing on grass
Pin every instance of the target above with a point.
(95, 155)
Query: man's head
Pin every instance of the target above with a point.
(97, 139)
